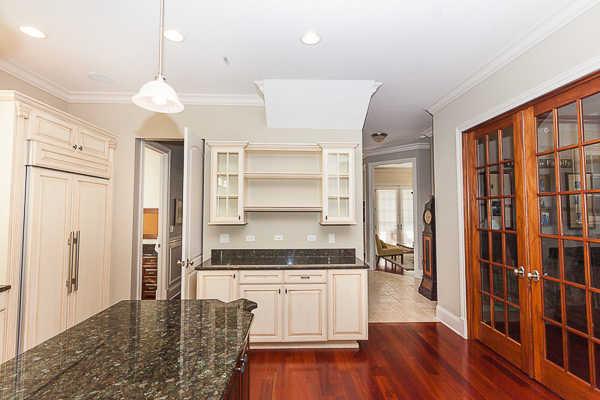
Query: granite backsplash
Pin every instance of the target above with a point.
(282, 256)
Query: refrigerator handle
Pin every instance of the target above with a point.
(76, 277)
(71, 244)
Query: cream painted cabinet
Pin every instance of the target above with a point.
(220, 285)
(227, 184)
(348, 305)
(305, 315)
(267, 325)
(93, 144)
(66, 252)
(3, 296)
(338, 184)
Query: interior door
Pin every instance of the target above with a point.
(47, 255)
(193, 207)
(90, 224)
(388, 217)
(407, 228)
(496, 202)
(564, 142)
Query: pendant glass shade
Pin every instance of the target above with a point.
(158, 96)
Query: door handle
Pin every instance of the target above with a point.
(77, 243)
(181, 263)
(71, 244)
(519, 272)
(534, 276)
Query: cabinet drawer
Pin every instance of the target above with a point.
(258, 277)
(54, 157)
(3, 296)
(92, 143)
(50, 129)
(305, 276)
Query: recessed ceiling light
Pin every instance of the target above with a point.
(173, 35)
(311, 38)
(33, 32)
(95, 76)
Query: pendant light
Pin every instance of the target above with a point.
(157, 95)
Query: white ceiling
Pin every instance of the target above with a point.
(419, 49)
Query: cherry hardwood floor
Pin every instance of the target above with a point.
(399, 361)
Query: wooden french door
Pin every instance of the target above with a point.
(498, 239)
(545, 317)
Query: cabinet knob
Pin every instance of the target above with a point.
(326, 218)
(75, 146)
(239, 217)
(80, 148)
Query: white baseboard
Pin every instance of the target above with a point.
(453, 322)
(306, 345)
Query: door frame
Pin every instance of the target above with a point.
(370, 212)
(163, 220)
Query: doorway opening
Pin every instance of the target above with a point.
(160, 219)
(393, 285)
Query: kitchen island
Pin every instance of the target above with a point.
(140, 349)
(306, 297)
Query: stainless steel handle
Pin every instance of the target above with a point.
(242, 369)
(71, 244)
(77, 243)
(245, 358)
(534, 276)
(520, 272)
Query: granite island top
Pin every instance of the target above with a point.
(4, 288)
(274, 263)
(137, 350)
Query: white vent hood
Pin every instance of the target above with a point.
(316, 104)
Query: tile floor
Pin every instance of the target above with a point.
(395, 298)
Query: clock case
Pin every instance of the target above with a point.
(428, 286)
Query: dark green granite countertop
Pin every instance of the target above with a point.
(4, 288)
(136, 350)
(276, 264)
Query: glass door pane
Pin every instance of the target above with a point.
(387, 214)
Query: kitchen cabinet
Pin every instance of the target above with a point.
(282, 177)
(305, 317)
(57, 172)
(347, 305)
(338, 184)
(220, 285)
(239, 386)
(267, 325)
(227, 184)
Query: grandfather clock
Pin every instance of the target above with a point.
(428, 287)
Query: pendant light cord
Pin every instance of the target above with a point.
(160, 37)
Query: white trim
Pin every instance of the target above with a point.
(306, 345)
(260, 87)
(397, 149)
(554, 83)
(563, 14)
(451, 321)
(370, 229)
(33, 78)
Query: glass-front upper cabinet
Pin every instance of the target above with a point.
(227, 184)
(338, 184)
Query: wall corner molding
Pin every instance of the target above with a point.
(564, 14)
(457, 324)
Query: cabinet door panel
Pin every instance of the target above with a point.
(305, 313)
(90, 219)
(46, 255)
(347, 305)
(220, 285)
(92, 143)
(267, 325)
(50, 129)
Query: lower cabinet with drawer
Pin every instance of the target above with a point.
(327, 308)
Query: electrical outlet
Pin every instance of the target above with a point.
(278, 238)
(224, 238)
(311, 238)
(250, 238)
(171, 228)
(332, 238)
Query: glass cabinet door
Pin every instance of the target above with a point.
(227, 186)
(338, 186)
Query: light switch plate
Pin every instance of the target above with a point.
(250, 238)
(332, 238)
(311, 238)
(224, 238)
(278, 238)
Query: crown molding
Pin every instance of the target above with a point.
(564, 14)
(260, 88)
(33, 78)
(189, 99)
(397, 149)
